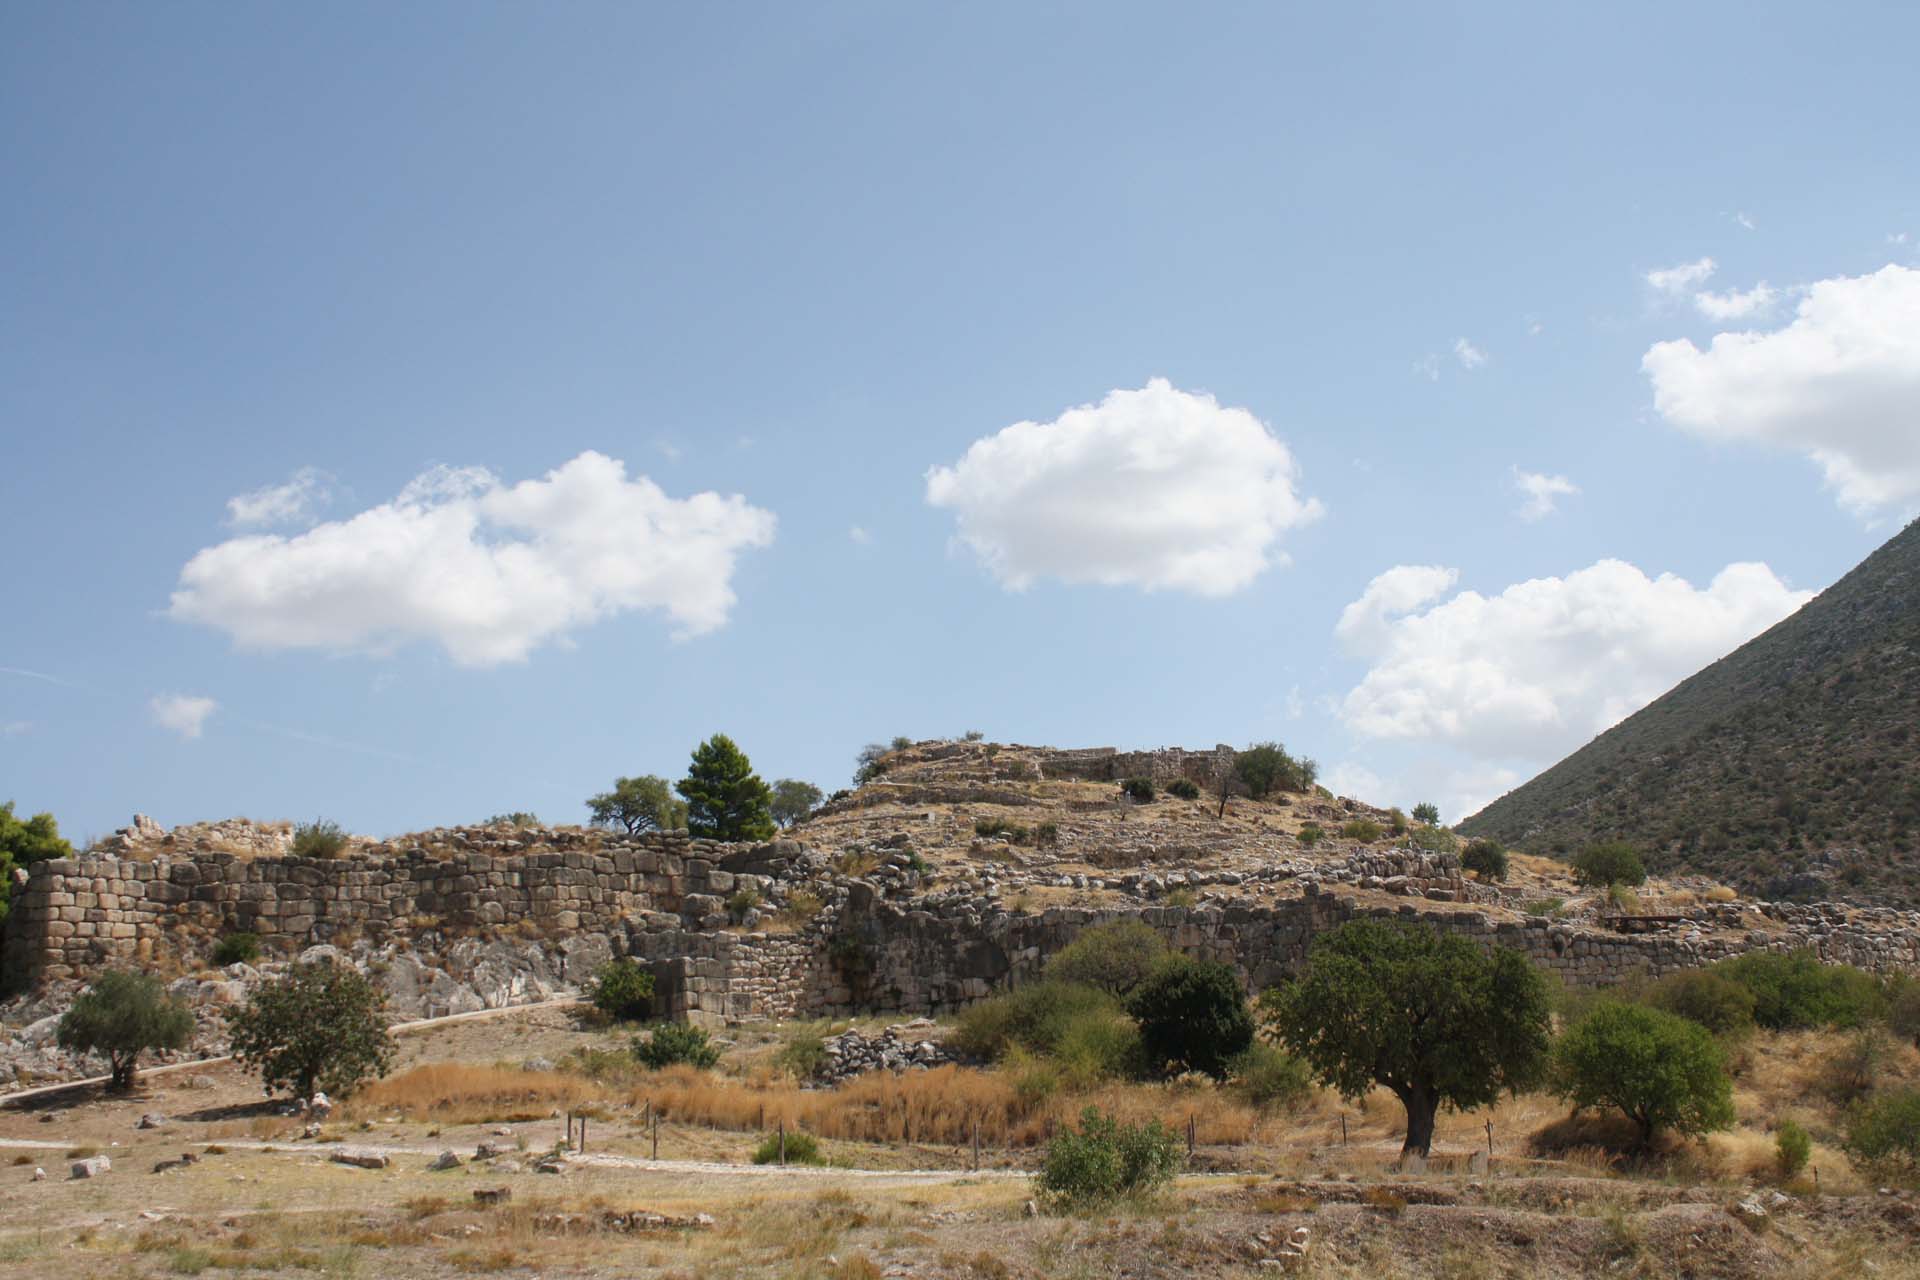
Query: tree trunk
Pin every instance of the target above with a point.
(1421, 1106)
(121, 1071)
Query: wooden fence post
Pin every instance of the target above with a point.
(1489, 1139)
(976, 1144)
(656, 1130)
(783, 1140)
(1189, 1135)
(1343, 1128)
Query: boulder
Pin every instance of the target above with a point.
(361, 1159)
(91, 1167)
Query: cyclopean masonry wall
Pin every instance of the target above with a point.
(663, 898)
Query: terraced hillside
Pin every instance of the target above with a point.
(1790, 767)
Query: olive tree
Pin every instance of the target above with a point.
(1433, 1018)
(1662, 1070)
(638, 805)
(321, 1024)
(121, 1016)
(793, 800)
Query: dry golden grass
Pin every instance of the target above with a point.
(468, 1093)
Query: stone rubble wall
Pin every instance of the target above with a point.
(1108, 764)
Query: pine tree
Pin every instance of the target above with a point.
(726, 799)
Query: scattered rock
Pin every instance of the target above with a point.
(151, 1120)
(492, 1195)
(361, 1159)
(91, 1167)
(446, 1160)
(186, 1158)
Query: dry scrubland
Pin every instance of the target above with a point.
(899, 1198)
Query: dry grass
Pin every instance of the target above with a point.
(465, 1093)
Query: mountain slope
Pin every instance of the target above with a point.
(1793, 763)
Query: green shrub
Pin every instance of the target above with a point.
(1047, 834)
(1184, 789)
(992, 827)
(1794, 990)
(1427, 814)
(1433, 839)
(804, 1053)
(742, 901)
(239, 947)
(519, 820)
(1365, 830)
(1663, 1071)
(623, 990)
(1903, 1008)
(1542, 906)
(1397, 821)
(1607, 863)
(1193, 1016)
(320, 838)
(673, 1043)
(802, 1148)
(1095, 1047)
(1792, 1147)
(1711, 999)
(121, 1016)
(1486, 860)
(1883, 1136)
(1311, 835)
(1138, 789)
(1267, 1076)
(1034, 1016)
(1104, 1160)
(1115, 957)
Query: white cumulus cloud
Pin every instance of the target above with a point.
(1155, 488)
(1531, 674)
(291, 503)
(1840, 383)
(1469, 356)
(1736, 304)
(488, 571)
(1543, 492)
(184, 714)
(1678, 279)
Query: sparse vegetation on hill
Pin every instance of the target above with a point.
(321, 838)
(1790, 767)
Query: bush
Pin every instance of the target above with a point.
(121, 1016)
(1270, 1077)
(1663, 1071)
(1433, 839)
(1397, 821)
(674, 1043)
(1097, 1046)
(237, 948)
(1114, 957)
(1883, 1136)
(1794, 990)
(1903, 1009)
(1607, 863)
(742, 901)
(1311, 835)
(1193, 1016)
(1486, 860)
(803, 1055)
(1036, 1017)
(1792, 1148)
(1139, 790)
(519, 820)
(1722, 1006)
(1365, 830)
(1103, 1160)
(319, 1025)
(623, 990)
(320, 838)
(801, 1148)
(1427, 814)
(1012, 832)
(1047, 834)
(1184, 789)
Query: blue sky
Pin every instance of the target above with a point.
(1387, 260)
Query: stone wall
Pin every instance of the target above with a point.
(1108, 764)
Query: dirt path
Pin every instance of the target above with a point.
(200, 1064)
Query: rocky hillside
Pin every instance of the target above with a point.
(1791, 767)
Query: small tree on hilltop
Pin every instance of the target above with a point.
(638, 805)
(1608, 863)
(1193, 1016)
(726, 800)
(121, 1016)
(1427, 813)
(35, 839)
(793, 800)
(319, 1025)
(1431, 1017)
(1663, 1071)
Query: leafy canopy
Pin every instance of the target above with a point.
(638, 805)
(1193, 1016)
(23, 843)
(793, 800)
(1607, 863)
(673, 1043)
(121, 1016)
(1664, 1072)
(1432, 1017)
(1485, 859)
(321, 1025)
(726, 799)
(622, 990)
(1115, 957)
(1796, 990)
(1428, 813)
(1104, 1159)
(1265, 767)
